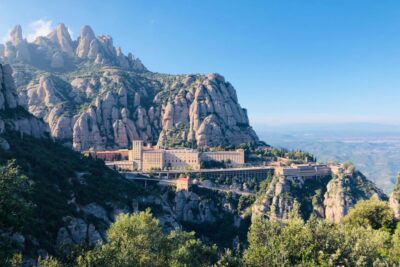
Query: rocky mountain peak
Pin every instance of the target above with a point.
(93, 96)
(57, 50)
(62, 38)
(85, 42)
(16, 35)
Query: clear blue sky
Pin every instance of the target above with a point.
(290, 61)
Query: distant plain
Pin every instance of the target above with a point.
(373, 148)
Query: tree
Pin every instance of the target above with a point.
(49, 262)
(273, 243)
(228, 259)
(371, 213)
(186, 250)
(138, 240)
(394, 252)
(133, 240)
(15, 209)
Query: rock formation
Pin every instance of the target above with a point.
(344, 190)
(332, 199)
(394, 199)
(13, 116)
(93, 96)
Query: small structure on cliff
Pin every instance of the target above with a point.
(183, 183)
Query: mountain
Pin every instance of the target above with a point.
(93, 96)
(54, 199)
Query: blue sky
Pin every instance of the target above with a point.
(290, 61)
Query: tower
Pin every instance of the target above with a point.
(135, 154)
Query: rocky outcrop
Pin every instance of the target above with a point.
(60, 36)
(111, 99)
(278, 200)
(13, 116)
(394, 199)
(202, 111)
(344, 190)
(16, 49)
(57, 51)
(189, 207)
(8, 94)
(77, 231)
(331, 198)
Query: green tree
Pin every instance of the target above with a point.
(394, 252)
(15, 209)
(49, 262)
(228, 259)
(371, 213)
(138, 240)
(133, 240)
(274, 243)
(186, 250)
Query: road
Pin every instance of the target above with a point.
(172, 182)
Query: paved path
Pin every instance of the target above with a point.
(172, 182)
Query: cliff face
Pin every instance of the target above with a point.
(13, 116)
(94, 96)
(330, 197)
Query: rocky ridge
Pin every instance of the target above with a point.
(93, 96)
(329, 197)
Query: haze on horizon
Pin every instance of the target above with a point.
(290, 61)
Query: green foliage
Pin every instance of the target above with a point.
(44, 174)
(274, 243)
(245, 201)
(186, 250)
(229, 259)
(15, 210)
(319, 243)
(394, 252)
(371, 213)
(138, 240)
(49, 262)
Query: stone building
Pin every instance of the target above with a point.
(233, 158)
(147, 158)
(304, 171)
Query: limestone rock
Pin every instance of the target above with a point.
(60, 36)
(277, 202)
(339, 193)
(190, 208)
(343, 192)
(394, 201)
(19, 120)
(93, 96)
(84, 42)
(17, 47)
(97, 211)
(77, 231)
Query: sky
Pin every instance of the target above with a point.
(291, 62)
